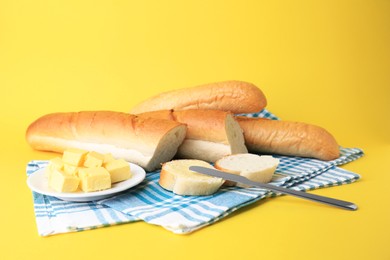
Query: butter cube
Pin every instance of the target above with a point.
(62, 182)
(94, 179)
(94, 159)
(119, 170)
(108, 158)
(74, 156)
(54, 164)
(70, 169)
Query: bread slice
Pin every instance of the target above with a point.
(147, 142)
(176, 177)
(211, 134)
(252, 166)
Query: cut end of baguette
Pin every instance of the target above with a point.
(147, 142)
(167, 147)
(211, 135)
(235, 135)
(175, 176)
(252, 166)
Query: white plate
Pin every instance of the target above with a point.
(38, 182)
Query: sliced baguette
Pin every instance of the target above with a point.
(252, 166)
(176, 177)
(147, 142)
(211, 134)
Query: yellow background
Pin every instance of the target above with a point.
(320, 62)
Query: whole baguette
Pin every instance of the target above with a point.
(147, 142)
(211, 134)
(288, 138)
(234, 96)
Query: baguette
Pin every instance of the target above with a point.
(176, 177)
(147, 142)
(234, 96)
(288, 138)
(211, 134)
(252, 166)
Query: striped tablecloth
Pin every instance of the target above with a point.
(183, 214)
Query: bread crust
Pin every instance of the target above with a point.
(234, 96)
(176, 177)
(261, 135)
(59, 131)
(206, 125)
(288, 138)
(211, 134)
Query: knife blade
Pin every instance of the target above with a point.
(300, 194)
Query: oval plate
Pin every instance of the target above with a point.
(38, 182)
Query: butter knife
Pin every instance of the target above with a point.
(241, 179)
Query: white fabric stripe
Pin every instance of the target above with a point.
(154, 193)
(174, 221)
(346, 174)
(205, 211)
(149, 213)
(164, 204)
(194, 215)
(330, 179)
(210, 205)
(244, 193)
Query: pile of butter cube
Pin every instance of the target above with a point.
(86, 171)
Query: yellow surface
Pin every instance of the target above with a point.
(321, 62)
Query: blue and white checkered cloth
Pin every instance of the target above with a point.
(183, 214)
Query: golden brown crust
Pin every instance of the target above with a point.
(226, 182)
(234, 96)
(147, 142)
(211, 134)
(204, 125)
(207, 125)
(101, 127)
(167, 180)
(288, 138)
(175, 176)
(160, 114)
